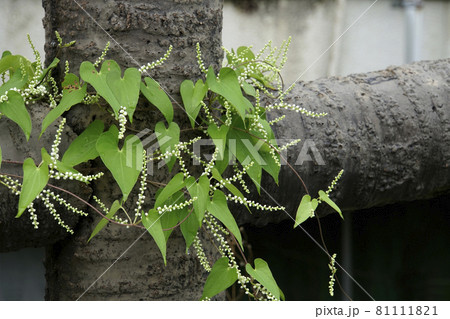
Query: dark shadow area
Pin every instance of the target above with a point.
(398, 252)
(22, 275)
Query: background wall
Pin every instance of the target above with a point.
(376, 41)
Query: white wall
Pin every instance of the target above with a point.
(17, 18)
(376, 41)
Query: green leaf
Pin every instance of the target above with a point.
(219, 137)
(109, 84)
(245, 53)
(222, 163)
(167, 139)
(305, 209)
(228, 86)
(60, 166)
(245, 151)
(15, 110)
(324, 197)
(125, 164)
(175, 184)
(14, 63)
(126, 89)
(264, 276)
(152, 223)
(83, 148)
(156, 95)
(218, 208)
(249, 89)
(98, 80)
(72, 94)
(228, 185)
(34, 181)
(16, 80)
(169, 220)
(192, 96)
(48, 69)
(189, 225)
(220, 278)
(201, 191)
(103, 222)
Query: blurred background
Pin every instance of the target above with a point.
(399, 252)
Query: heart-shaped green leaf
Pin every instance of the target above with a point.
(14, 109)
(73, 94)
(228, 185)
(152, 222)
(228, 86)
(189, 225)
(34, 181)
(219, 137)
(156, 95)
(98, 80)
(83, 148)
(15, 63)
(218, 208)
(60, 166)
(125, 164)
(167, 139)
(175, 184)
(126, 89)
(305, 209)
(192, 96)
(220, 278)
(324, 197)
(103, 222)
(109, 84)
(201, 191)
(16, 80)
(264, 276)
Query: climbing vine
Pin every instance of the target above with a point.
(224, 109)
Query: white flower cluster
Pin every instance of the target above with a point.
(225, 249)
(238, 176)
(100, 203)
(171, 208)
(295, 108)
(12, 184)
(64, 203)
(120, 220)
(142, 188)
(122, 121)
(152, 65)
(45, 196)
(286, 146)
(73, 176)
(208, 115)
(54, 156)
(333, 272)
(55, 146)
(91, 99)
(33, 216)
(251, 203)
(228, 113)
(66, 68)
(211, 163)
(334, 182)
(101, 58)
(200, 63)
(201, 253)
(276, 120)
